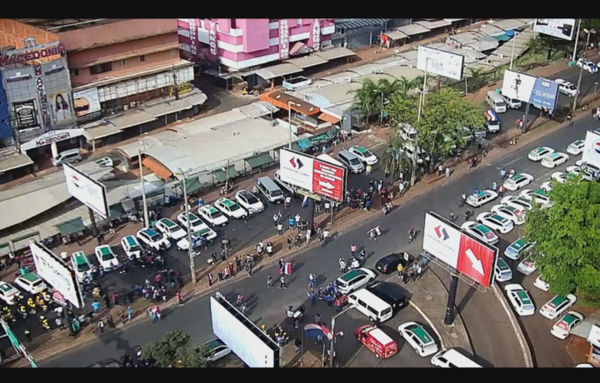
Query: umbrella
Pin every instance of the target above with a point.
(314, 330)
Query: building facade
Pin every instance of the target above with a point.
(245, 43)
(6, 130)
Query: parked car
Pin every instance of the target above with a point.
(364, 155)
(502, 271)
(153, 239)
(541, 284)
(105, 162)
(131, 247)
(354, 279)
(249, 201)
(381, 344)
(520, 299)
(218, 348)
(230, 208)
(587, 65)
(391, 293)
(212, 215)
(31, 282)
(170, 229)
(557, 306)
(418, 338)
(562, 328)
(566, 87)
(480, 231)
(81, 265)
(206, 232)
(390, 262)
(518, 248)
(107, 258)
(527, 266)
(8, 293)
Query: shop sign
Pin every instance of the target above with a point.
(284, 42)
(28, 54)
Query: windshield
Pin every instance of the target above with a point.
(501, 103)
(276, 193)
(107, 257)
(196, 223)
(134, 248)
(251, 199)
(234, 207)
(355, 161)
(83, 267)
(174, 228)
(37, 283)
(215, 214)
(156, 237)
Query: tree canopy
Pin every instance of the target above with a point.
(568, 236)
(177, 350)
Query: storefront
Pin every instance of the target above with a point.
(49, 144)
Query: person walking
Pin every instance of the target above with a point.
(313, 298)
(327, 207)
(111, 228)
(308, 233)
(59, 323)
(269, 281)
(369, 170)
(287, 201)
(297, 345)
(110, 321)
(101, 326)
(291, 222)
(338, 305)
(129, 314)
(470, 163)
(289, 242)
(211, 279)
(463, 200)
(440, 170)
(282, 283)
(179, 297)
(106, 301)
(28, 335)
(279, 228)
(238, 263)
(329, 300)
(447, 172)
(570, 119)
(95, 306)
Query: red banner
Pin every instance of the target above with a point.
(328, 180)
(476, 260)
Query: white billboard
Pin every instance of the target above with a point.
(561, 28)
(591, 151)
(242, 340)
(86, 102)
(296, 169)
(86, 190)
(518, 85)
(441, 240)
(441, 63)
(57, 274)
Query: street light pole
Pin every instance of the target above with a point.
(189, 230)
(146, 220)
(587, 42)
(421, 102)
(290, 122)
(576, 40)
(512, 53)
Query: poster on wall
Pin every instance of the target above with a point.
(62, 109)
(42, 97)
(87, 102)
(25, 114)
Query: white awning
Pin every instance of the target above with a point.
(51, 137)
(413, 29)
(307, 61)
(11, 159)
(98, 132)
(434, 24)
(271, 72)
(130, 119)
(396, 35)
(164, 108)
(334, 53)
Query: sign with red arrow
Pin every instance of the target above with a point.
(328, 180)
(476, 260)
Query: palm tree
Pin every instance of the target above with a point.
(394, 159)
(478, 78)
(404, 85)
(366, 100)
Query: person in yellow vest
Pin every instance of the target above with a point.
(45, 323)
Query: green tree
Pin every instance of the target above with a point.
(568, 236)
(366, 101)
(394, 159)
(479, 78)
(405, 85)
(177, 350)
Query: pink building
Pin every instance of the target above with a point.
(244, 43)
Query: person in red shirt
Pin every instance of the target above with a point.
(179, 299)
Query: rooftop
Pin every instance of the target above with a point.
(65, 25)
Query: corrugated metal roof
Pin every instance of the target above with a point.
(491, 30)
(396, 35)
(11, 158)
(336, 94)
(464, 38)
(399, 71)
(454, 20)
(410, 55)
(509, 24)
(483, 45)
(374, 77)
(130, 119)
(366, 69)
(271, 72)
(100, 132)
(307, 61)
(258, 109)
(334, 53)
(413, 29)
(164, 108)
(434, 24)
(360, 23)
(198, 126)
(339, 78)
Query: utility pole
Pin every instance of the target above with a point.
(332, 342)
(146, 220)
(290, 122)
(189, 230)
(576, 40)
(449, 319)
(176, 89)
(587, 42)
(415, 150)
(512, 52)
(93, 219)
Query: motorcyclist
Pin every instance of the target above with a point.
(411, 233)
(372, 235)
(452, 217)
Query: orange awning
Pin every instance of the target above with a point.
(328, 118)
(158, 168)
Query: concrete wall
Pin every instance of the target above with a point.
(13, 33)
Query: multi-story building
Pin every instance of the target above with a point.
(245, 43)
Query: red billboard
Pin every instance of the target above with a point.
(476, 260)
(328, 180)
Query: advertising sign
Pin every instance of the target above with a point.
(42, 97)
(212, 38)
(561, 28)
(594, 337)
(316, 35)
(296, 169)
(86, 190)
(476, 260)
(284, 42)
(591, 150)
(518, 85)
(328, 180)
(38, 52)
(441, 63)
(56, 273)
(25, 114)
(87, 102)
(62, 109)
(544, 93)
(441, 240)
(243, 336)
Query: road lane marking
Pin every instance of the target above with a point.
(429, 322)
(513, 161)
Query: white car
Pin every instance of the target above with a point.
(538, 195)
(418, 338)
(566, 87)
(107, 258)
(31, 282)
(153, 239)
(206, 232)
(546, 186)
(517, 202)
(587, 65)
(561, 177)
(218, 348)
(354, 279)
(527, 266)
(194, 222)
(554, 160)
(230, 208)
(518, 181)
(576, 148)
(249, 201)
(105, 162)
(576, 170)
(496, 222)
(481, 198)
(518, 248)
(131, 247)
(512, 103)
(170, 229)
(589, 168)
(538, 154)
(212, 215)
(541, 284)
(81, 265)
(364, 155)
(502, 271)
(562, 328)
(520, 299)
(557, 306)
(517, 216)
(481, 232)
(8, 293)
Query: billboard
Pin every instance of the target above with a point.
(441, 63)
(242, 336)
(591, 150)
(62, 109)
(517, 85)
(458, 250)
(544, 93)
(86, 190)
(313, 175)
(87, 102)
(25, 114)
(56, 273)
(561, 28)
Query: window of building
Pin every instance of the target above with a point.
(142, 58)
(75, 72)
(101, 68)
(233, 24)
(123, 62)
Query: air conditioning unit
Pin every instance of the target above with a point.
(489, 61)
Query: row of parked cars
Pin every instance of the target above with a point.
(29, 282)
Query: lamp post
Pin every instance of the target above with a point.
(576, 40)
(290, 103)
(421, 102)
(512, 52)
(587, 42)
(146, 220)
(189, 229)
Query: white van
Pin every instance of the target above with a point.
(496, 102)
(269, 189)
(67, 157)
(407, 132)
(452, 359)
(351, 161)
(371, 305)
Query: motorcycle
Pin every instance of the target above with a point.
(374, 233)
(411, 236)
(298, 315)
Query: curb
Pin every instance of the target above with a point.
(518, 330)
(429, 322)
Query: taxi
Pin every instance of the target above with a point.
(517, 216)
(576, 148)
(496, 222)
(562, 328)
(518, 248)
(31, 282)
(8, 293)
(131, 247)
(520, 299)
(81, 265)
(206, 232)
(170, 229)
(502, 271)
(153, 239)
(364, 155)
(518, 181)
(212, 215)
(481, 232)
(557, 306)
(230, 208)
(481, 198)
(107, 258)
(537, 195)
(540, 153)
(418, 338)
(554, 160)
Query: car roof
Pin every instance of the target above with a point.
(502, 263)
(481, 227)
(209, 208)
(227, 202)
(523, 296)
(167, 222)
(420, 332)
(350, 275)
(191, 217)
(499, 218)
(392, 290)
(30, 277)
(390, 257)
(482, 193)
(80, 257)
(104, 250)
(215, 343)
(150, 232)
(131, 241)
(6, 287)
(569, 318)
(557, 301)
(519, 243)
